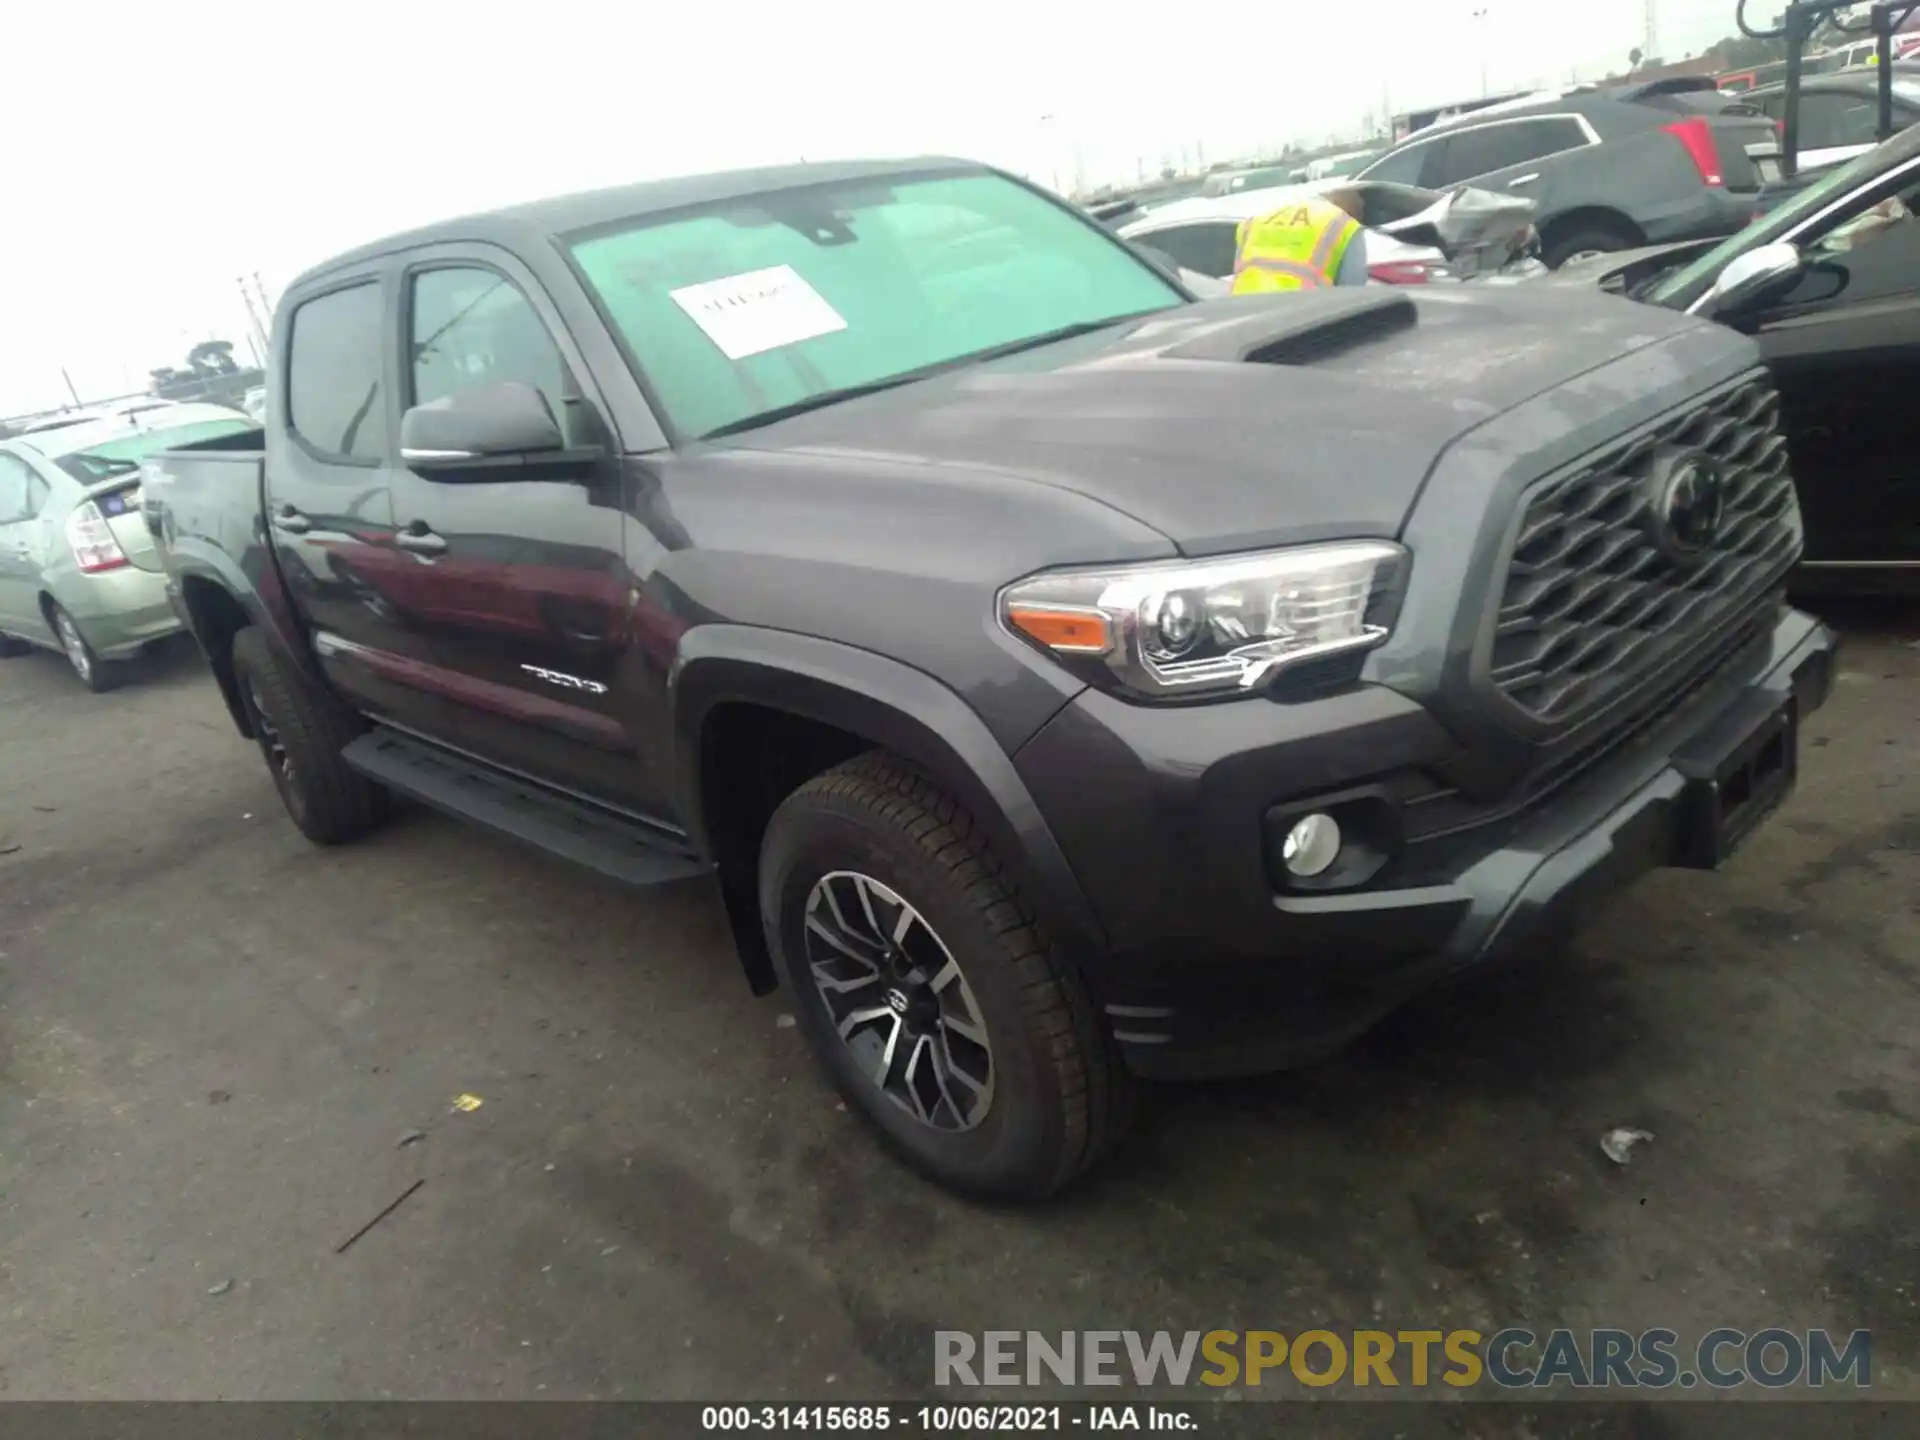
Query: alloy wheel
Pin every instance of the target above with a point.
(271, 744)
(898, 1000)
(76, 648)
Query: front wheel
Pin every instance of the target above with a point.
(930, 995)
(301, 731)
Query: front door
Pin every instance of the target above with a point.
(1844, 346)
(524, 594)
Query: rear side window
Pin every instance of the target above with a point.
(1207, 246)
(16, 478)
(1499, 147)
(333, 374)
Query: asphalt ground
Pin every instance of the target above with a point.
(215, 1038)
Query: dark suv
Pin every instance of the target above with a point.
(1609, 169)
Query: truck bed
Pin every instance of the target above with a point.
(202, 502)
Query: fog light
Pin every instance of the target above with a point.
(1311, 846)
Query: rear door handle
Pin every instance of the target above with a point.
(420, 540)
(1523, 179)
(291, 520)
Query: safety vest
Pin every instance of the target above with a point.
(1299, 247)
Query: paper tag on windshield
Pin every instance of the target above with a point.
(760, 310)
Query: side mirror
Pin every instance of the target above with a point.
(491, 422)
(1747, 277)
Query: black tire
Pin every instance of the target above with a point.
(1594, 239)
(305, 731)
(1058, 1097)
(96, 674)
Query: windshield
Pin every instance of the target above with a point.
(122, 454)
(1677, 288)
(753, 307)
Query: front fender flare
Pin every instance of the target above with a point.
(898, 708)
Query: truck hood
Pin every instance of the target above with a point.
(1246, 421)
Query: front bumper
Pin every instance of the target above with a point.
(118, 611)
(1214, 968)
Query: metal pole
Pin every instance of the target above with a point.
(1883, 53)
(70, 390)
(1796, 37)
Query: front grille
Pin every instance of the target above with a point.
(1592, 605)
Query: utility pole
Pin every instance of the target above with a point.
(1480, 30)
(257, 332)
(1650, 37)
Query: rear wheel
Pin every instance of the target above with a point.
(1583, 243)
(301, 731)
(930, 995)
(96, 674)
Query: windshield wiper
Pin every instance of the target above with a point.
(853, 392)
(811, 402)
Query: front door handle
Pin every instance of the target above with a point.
(1526, 179)
(291, 520)
(420, 540)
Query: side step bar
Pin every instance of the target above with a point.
(556, 823)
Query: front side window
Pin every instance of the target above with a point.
(739, 308)
(1400, 167)
(473, 328)
(122, 454)
(333, 374)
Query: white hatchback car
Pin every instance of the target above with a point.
(1200, 234)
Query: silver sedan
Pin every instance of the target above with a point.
(78, 571)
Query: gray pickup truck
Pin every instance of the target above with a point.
(1063, 679)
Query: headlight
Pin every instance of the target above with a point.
(1212, 626)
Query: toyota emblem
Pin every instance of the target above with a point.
(1689, 502)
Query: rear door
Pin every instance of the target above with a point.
(22, 496)
(523, 585)
(1506, 154)
(329, 469)
(1844, 345)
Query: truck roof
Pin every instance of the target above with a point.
(565, 214)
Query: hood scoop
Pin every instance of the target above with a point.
(1298, 329)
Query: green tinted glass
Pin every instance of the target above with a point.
(733, 310)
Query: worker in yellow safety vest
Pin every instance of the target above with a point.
(1307, 245)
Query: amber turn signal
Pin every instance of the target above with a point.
(1063, 628)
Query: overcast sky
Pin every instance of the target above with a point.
(153, 154)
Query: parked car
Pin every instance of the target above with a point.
(1062, 678)
(78, 571)
(1829, 284)
(94, 415)
(1232, 182)
(1403, 247)
(1333, 167)
(1839, 114)
(1609, 169)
